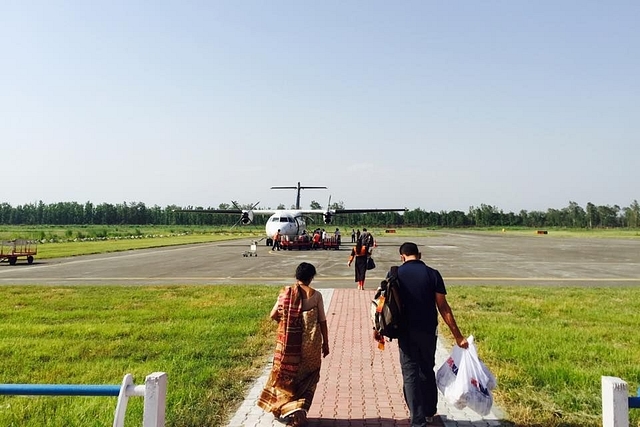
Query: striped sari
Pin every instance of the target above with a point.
(297, 358)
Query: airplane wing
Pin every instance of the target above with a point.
(212, 211)
(229, 211)
(329, 214)
(346, 211)
(246, 215)
(350, 211)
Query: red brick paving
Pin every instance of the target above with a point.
(360, 385)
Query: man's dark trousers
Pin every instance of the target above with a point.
(417, 360)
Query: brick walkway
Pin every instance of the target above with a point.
(352, 391)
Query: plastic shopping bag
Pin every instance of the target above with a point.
(465, 381)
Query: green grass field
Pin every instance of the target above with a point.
(547, 346)
(56, 242)
(212, 341)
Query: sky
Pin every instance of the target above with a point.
(521, 105)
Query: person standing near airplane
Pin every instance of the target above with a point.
(367, 238)
(315, 240)
(276, 241)
(353, 235)
(360, 253)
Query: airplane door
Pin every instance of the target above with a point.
(300, 225)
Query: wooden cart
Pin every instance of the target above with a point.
(11, 250)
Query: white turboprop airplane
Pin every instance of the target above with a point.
(290, 222)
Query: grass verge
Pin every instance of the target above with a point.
(211, 340)
(549, 346)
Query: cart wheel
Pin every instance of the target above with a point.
(13, 260)
(29, 259)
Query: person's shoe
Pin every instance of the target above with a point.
(433, 421)
(299, 419)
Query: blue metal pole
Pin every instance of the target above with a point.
(59, 390)
(634, 402)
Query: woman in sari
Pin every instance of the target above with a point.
(301, 343)
(361, 253)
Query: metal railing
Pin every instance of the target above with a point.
(154, 392)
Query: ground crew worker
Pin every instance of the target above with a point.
(276, 241)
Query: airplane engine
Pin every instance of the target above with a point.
(247, 217)
(327, 218)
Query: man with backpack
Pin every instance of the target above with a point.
(423, 295)
(366, 238)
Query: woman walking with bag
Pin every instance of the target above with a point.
(302, 342)
(361, 254)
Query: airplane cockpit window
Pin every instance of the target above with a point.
(275, 219)
(283, 219)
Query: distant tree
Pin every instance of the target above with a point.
(576, 215)
(537, 219)
(592, 215)
(632, 215)
(136, 213)
(337, 205)
(88, 213)
(608, 215)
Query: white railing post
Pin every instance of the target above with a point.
(123, 399)
(615, 402)
(155, 396)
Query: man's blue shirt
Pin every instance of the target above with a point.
(418, 286)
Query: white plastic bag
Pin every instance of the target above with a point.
(465, 381)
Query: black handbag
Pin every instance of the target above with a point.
(370, 263)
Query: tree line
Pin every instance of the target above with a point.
(137, 213)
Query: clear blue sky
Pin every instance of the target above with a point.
(417, 104)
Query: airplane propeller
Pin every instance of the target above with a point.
(328, 215)
(246, 216)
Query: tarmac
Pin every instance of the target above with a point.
(352, 391)
(462, 258)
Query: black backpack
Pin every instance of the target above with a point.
(367, 239)
(386, 310)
